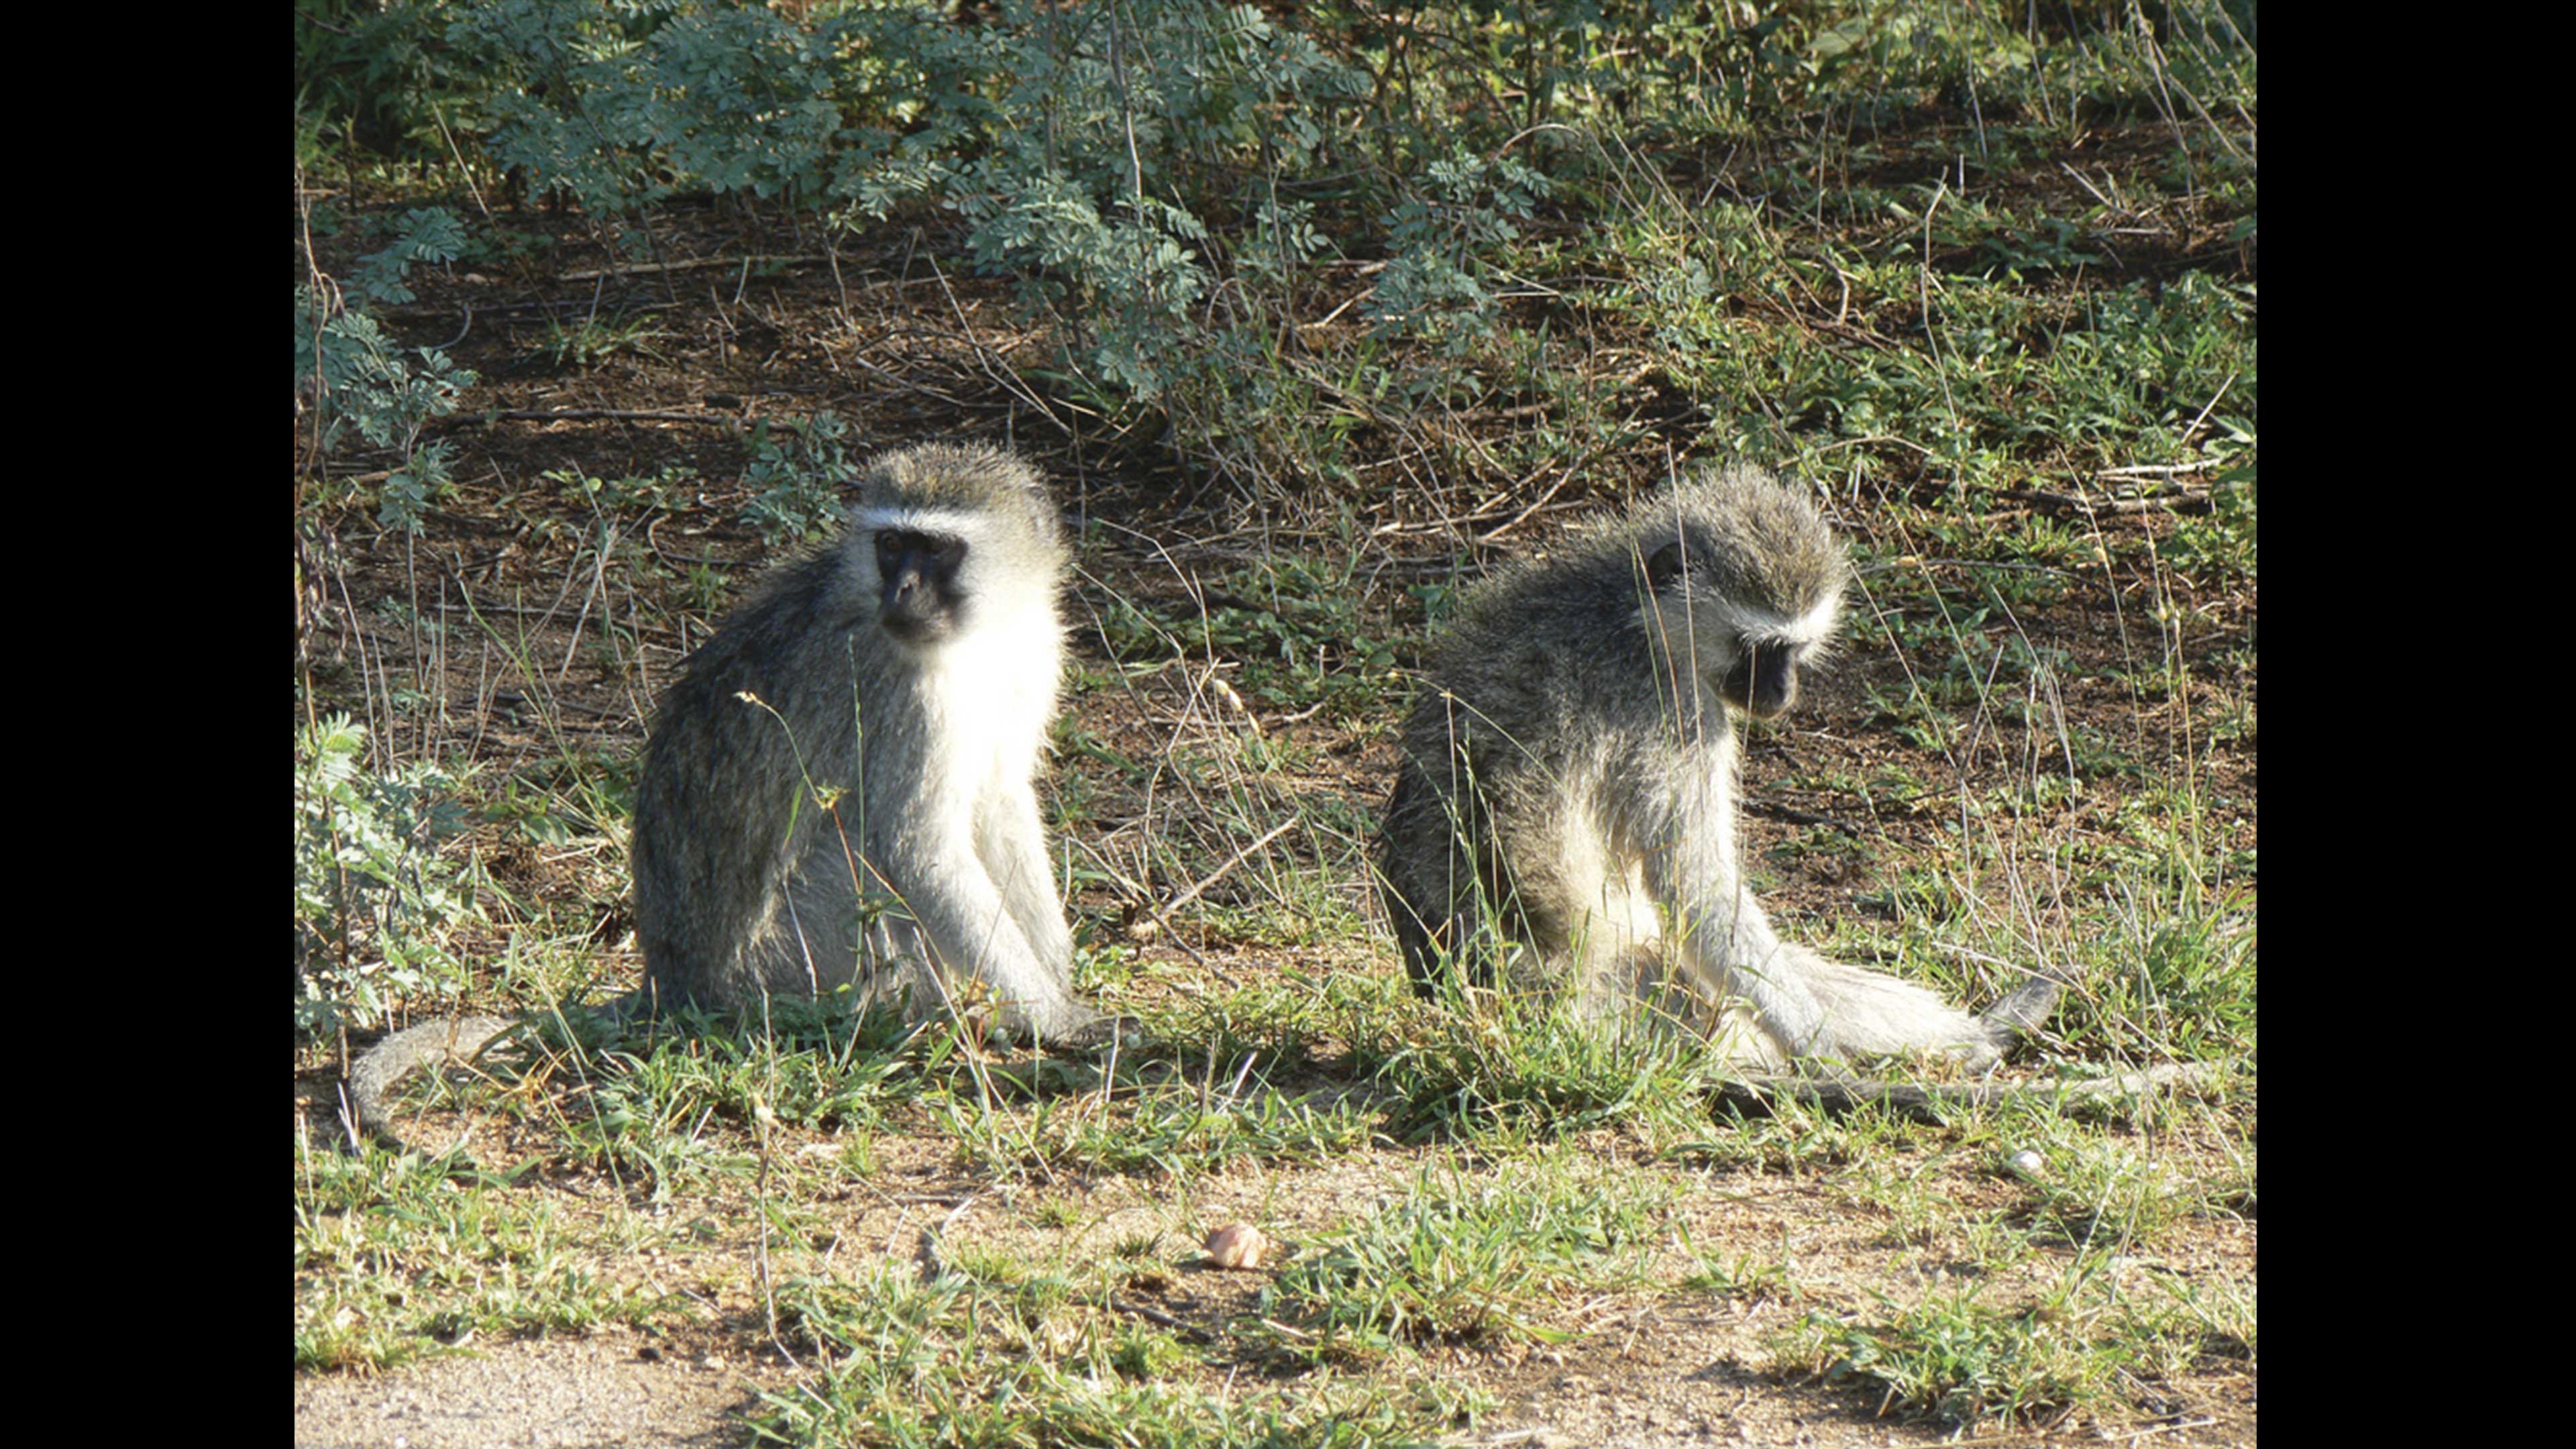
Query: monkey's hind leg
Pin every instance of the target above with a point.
(1865, 1014)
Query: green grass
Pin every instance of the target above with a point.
(399, 1260)
(1452, 1261)
(968, 1361)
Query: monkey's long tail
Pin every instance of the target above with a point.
(457, 1040)
(431, 1043)
(1840, 1093)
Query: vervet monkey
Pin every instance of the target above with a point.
(1566, 806)
(910, 669)
(915, 665)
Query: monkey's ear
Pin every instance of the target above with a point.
(1664, 566)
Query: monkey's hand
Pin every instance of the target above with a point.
(1076, 1026)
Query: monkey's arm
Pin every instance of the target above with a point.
(1012, 844)
(968, 927)
(1810, 1006)
(1727, 947)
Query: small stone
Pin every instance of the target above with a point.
(1237, 1245)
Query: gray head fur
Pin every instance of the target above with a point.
(1746, 538)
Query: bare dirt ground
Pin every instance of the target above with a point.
(906, 353)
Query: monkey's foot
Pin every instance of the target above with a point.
(2021, 1013)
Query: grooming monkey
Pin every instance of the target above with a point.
(913, 666)
(1566, 802)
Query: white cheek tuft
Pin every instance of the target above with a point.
(1805, 631)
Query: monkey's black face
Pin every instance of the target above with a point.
(1763, 680)
(917, 573)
